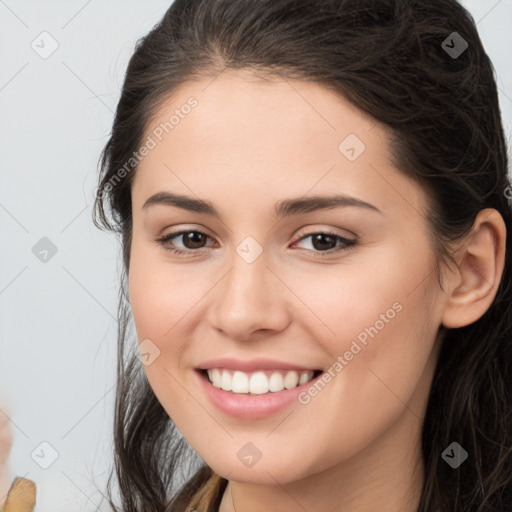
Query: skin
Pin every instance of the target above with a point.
(5, 449)
(247, 145)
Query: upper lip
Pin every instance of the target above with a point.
(251, 365)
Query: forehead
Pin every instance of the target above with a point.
(280, 111)
(238, 135)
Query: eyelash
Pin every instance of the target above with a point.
(348, 243)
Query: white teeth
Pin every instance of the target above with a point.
(225, 381)
(291, 380)
(239, 383)
(304, 377)
(276, 382)
(214, 377)
(259, 382)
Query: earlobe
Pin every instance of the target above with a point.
(480, 261)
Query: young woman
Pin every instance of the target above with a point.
(312, 200)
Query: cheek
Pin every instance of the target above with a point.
(164, 301)
(150, 300)
(377, 315)
(159, 305)
(380, 336)
(152, 295)
(372, 288)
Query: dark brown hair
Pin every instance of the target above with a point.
(388, 58)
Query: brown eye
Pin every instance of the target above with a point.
(191, 240)
(326, 242)
(323, 243)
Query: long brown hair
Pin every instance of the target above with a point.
(390, 59)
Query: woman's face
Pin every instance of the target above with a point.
(364, 308)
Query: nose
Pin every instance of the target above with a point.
(249, 300)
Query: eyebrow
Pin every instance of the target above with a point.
(285, 208)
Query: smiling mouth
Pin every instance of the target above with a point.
(258, 382)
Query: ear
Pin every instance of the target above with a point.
(480, 263)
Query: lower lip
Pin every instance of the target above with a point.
(251, 407)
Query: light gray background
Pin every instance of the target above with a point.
(57, 319)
